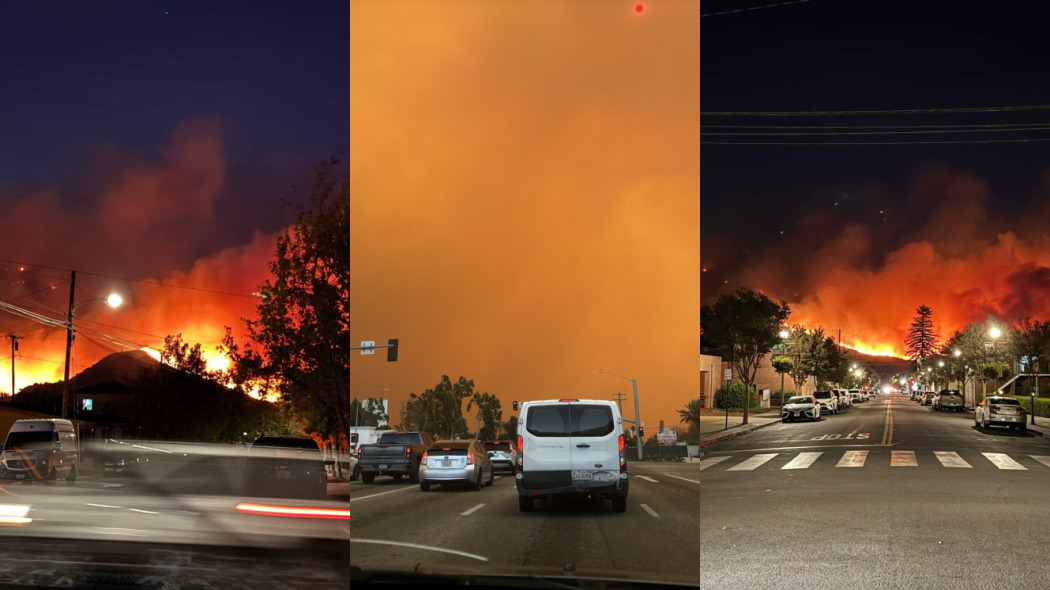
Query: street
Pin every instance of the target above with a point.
(887, 493)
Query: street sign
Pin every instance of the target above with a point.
(729, 374)
(367, 347)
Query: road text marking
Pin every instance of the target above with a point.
(951, 459)
(753, 462)
(711, 461)
(802, 461)
(1003, 461)
(903, 459)
(650, 511)
(472, 510)
(646, 478)
(852, 459)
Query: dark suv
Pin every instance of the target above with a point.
(286, 467)
(948, 399)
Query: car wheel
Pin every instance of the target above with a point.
(424, 486)
(525, 504)
(619, 504)
(476, 484)
(367, 478)
(356, 473)
(413, 477)
(397, 477)
(492, 477)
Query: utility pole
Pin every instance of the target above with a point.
(69, 345)
(619, 400)
(14, 348)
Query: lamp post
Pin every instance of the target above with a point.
(995, 333)
(784, 335)
(637, 419)
(113, 300)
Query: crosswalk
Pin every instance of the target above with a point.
(857, 459)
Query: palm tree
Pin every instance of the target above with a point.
(692, 413)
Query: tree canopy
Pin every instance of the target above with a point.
(921, 341)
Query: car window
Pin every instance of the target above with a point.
(822, 395)
(29, 438)
(399, 438)
(307, 444)
(548, 420)
(1004, 401)
(591, 420)
(799, 400)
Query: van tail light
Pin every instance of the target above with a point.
(622, 445)
(470, 457)
(424, 459)
(623, 455)
(521, 455)
(520, 445)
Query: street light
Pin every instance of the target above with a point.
(637, 419)
(784, 335)
(957, 353)
(113, 300)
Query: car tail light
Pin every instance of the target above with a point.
(622, 445)
(521, 455)
(408, 451)
(424, 459)
(993, 408)
(568, 400)
(292, 511)
(359, 452)
(470, 457)
(520, 446)
(623, 455)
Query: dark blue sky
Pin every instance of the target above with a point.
(80, 74)
(861, 54)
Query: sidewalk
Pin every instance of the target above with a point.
(714, 430)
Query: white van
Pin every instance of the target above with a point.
(571, 446)
(41, 449)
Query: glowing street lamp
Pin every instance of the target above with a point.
(114, 300)
(957, 353)
(995, 333)
(784, 334)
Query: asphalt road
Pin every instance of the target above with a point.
(887, 494)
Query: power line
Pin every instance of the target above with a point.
(841, 133)
(131, 280)
(1007, 109)
(967, 125)
(752, 8)
(854, 143)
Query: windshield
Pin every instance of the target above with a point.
(800, 400)
(1003, 401)
(28, 439)
(822, 395)
(401, 439)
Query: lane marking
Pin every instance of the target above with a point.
(646, 478)
(379, 494)
(802, 461)
(852, 459)
(418, 546)
(472, 510)
(903, 459)
(951, 459)
(887, 427)
(694, 481)
(649, 510)
(1042, 459)
(1003, 461)
(752, 463)
(705, 463)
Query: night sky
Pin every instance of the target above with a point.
(868, 202)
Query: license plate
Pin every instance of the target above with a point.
(20, 476)
(446, 463)
(284, 474)
(584, 475)
(384, 466)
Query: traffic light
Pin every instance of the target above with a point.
(391, 351)
(353, 437)
(641, 432)
(515, 404)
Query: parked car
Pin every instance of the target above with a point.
(396, 453)
(927, 399)
(858, 396)
(948, 399)
(286, 466)
(842, 398)
(501, 453)
(996, 410)
(571, 447)
(828, 402)
(800, 406)
(456, 462)
(41, 449)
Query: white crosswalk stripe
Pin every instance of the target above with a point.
(951, 459)
(704, 464)
(852, 459)
(1042, 459)
(754, 462)
(903, 459)
(802, 461)
(1003, 461)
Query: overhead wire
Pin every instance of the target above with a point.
(751, 8)
(868, 143)
(845, 113)
(847, 133)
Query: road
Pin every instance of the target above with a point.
(887, 494)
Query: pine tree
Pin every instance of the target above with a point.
(921, 342)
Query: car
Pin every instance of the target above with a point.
(501, 453)
(800, 406)
(42, 449)
(997, 410)
(456, 462)
(858, 396)
(571, 447)
(286, 467)
(828, 402)
(948, 399)
(841, 399)
(927, 398)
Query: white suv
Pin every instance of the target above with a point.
(571, 446)
(828, 402)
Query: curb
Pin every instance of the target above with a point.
(727, 436)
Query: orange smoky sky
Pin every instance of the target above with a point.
(525, 187)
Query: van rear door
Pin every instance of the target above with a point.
(594, 444)
(546, 457)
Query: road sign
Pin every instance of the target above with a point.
(367, 347)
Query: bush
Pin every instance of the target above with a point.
(1042, 405)
(731, 397)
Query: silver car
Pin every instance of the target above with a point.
(1005, 411)
(456, 462)
(502, 454)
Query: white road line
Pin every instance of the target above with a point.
(1003, 461)
(951, 459)
(648, 478)
(694, 481)
(650, 511)
(852, 459)
(472, 510)
(903, 459)
(802, 461)
(1042, 459)
(752, 463)
(380, 494)
(704, 464)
